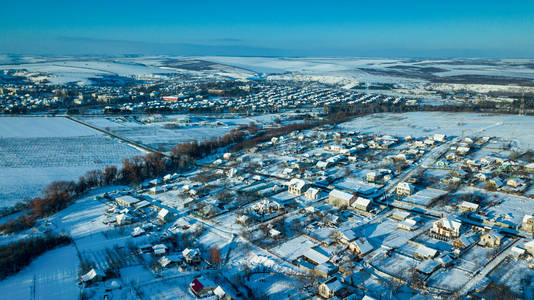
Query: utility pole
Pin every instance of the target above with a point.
(32, 288)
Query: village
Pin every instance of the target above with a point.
(307, 187)
(300, 150)
(177, 93)
(334, 213)
(25, 92)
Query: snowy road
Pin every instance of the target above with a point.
(428, 160)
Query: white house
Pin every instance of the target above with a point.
(491, 239)
(468, 206)
(296, 187)
(361, 204)
(165, 216)
(446, 228)
(191, 256)
(404, 189)
(462, 150)
(408, 224)
(123, 219)
(232, 172)
(329, 288)
(312, 194)
(438, 137)
(339, 198)
(274, 233)
(371, 176)
(159, 249)
(528, 223)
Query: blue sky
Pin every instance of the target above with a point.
(270, 28)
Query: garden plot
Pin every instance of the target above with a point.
(516, 275)
(83, 218)
(450, 279)
(34, 151)
(508, 209)
(385, 234)
(173, 198)
(229, 222)
(398, 265)
(273, 286)
(419, 124)
(475, 258)
(492, 150)
(163, 133)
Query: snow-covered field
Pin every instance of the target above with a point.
(80, 70)
(418, 124)
(157, 136)
(348, 71)
(36, 151)
(470, 74)
(41, 127)
(52, 275)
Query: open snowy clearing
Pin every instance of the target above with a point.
(158, 135)
(36, 151)
(419, 124)
(467, 74)
(33, 127)
(348, 71)
(76, 70)
(52, 275)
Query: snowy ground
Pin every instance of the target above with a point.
(517, 275)
(52, 275)
(419, 124)
(345, 71)
(509, 209)
(80, 70)
(36, 151)
(449, 279)
(349, 71)
(156, 136)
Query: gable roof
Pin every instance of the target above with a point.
(92, 274)
(364, 245)
(163, 212)
(340, 194)
(298, 183)
(196, 285)
(449, 223)
(361, 202)
(312, 191)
